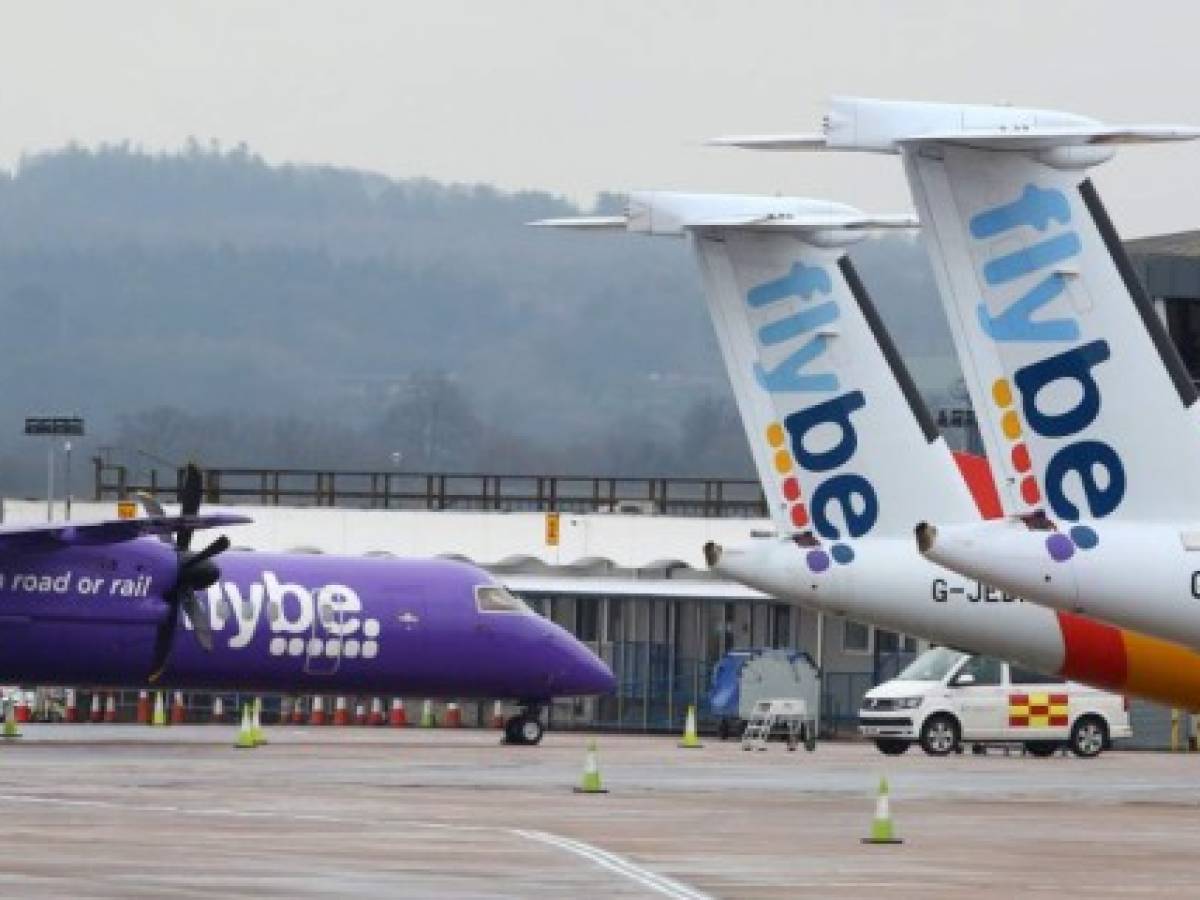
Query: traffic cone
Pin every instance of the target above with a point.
(498, 714)
(453, 716)
(160, 711)
(427, 719)
(691, 740)
(256, 729)
(22, 707)
(360, 713)
(298, 711)
(882, 831)
(590, 784)
(71, 712)
(143, 708)
(178, 709)
(318, 711)
(376, 717)
(10, 721)
(398, 719)
(97, 714)
(110, 708)
(218, 709)
(341, 715)
(245, 738)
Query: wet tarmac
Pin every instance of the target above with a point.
(129, 811)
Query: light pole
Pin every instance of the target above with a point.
(55, 427)
(67, 478)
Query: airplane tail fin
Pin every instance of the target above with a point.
(1082, 398)
(842, 440)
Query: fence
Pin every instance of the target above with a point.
(677, 496)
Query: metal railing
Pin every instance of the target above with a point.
(683, 496)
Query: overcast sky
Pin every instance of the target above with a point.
(580, 97)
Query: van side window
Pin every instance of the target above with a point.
(985, 669)
(1017, 675)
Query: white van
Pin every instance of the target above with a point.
(946, 697)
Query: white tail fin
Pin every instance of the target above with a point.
(1081, 396)
(842, 440)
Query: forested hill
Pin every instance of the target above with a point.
(207, 304)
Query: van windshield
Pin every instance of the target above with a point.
(932, 665)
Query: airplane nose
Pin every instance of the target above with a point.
(582, 672)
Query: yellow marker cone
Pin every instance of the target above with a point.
(590, 784)
(245, 738)
(691, 740)
(256, 730)
(10, 721)
(881, 827)
(160, 711)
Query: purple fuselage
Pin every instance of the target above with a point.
(292, 623)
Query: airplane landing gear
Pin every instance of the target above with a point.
(525, 729)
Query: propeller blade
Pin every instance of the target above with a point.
(164, 639)
(190, 495)
(152, 507)
(149, 504)
(196, 573)
(196, 607)
(220, 545)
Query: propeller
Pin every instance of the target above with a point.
(196, 572)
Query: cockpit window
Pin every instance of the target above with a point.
(495, 598)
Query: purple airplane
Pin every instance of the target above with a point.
(107, 604)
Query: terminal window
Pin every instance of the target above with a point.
(856, 637)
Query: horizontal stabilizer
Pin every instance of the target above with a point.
(583, 222)
(801, 224)
(884, 126)
(671, 213)
(40, 538)
(771, 141)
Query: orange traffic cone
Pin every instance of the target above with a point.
(341, 715)
(398, 719)
(360, 713)
(143, 708)
(110, 708)
(71, 711)
(376, 717)
(97, 709)
(22, 706)
(178, 709)
(498, 714)
(318, 711)
(453, 715)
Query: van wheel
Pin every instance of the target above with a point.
(1041, 748)
(939, 735)
(1089, 735)
(891, 746)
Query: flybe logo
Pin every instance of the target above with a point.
(1039, 276)
(320, 621)
(820, 438)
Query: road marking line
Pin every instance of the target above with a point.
(655, 882)
(660, 884)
